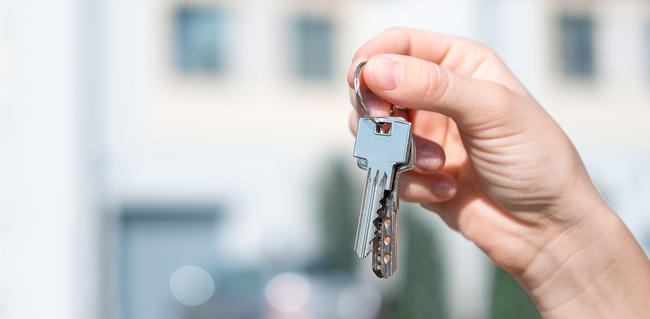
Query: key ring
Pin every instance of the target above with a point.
(357, 92)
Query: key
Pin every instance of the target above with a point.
(384, 244)
(384, 150)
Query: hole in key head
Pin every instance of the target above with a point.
(383, 128)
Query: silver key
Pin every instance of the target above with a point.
(384, 244)
(384, 149)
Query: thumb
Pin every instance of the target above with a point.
(473, 104)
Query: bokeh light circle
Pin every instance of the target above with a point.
(288, 292)
(191, 285)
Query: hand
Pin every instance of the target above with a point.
(496, 167)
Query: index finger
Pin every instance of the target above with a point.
(460, 55)
(425, 45)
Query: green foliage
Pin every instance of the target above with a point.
(337, 214)
(509, 300)
(422, 295)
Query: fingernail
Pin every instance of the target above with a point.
(443, 188)
(428, 158)
(386, 72)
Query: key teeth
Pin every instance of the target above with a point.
(380, 266)
(375, 217)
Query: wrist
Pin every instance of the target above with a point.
(590, 269)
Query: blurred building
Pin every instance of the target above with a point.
(158, 155)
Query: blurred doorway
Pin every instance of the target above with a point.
(168, 256)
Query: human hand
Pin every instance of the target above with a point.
(497, 168)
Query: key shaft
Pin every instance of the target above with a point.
(384, 243)
(381, 150)
(384, 150)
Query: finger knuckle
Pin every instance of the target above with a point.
(480, 47)
(394, 30)
(490, 53)
(502, 96)
(482, 52)
(436, 84)
(467, 226)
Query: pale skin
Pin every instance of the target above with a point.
(498, 169)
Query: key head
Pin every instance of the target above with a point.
(387, 141)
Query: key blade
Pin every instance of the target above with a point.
(384, 253)
(370, 205)
(384, 150)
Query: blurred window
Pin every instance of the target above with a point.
(577, 45)
(313, 46)
(199, 42)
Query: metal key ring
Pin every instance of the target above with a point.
(357, 92)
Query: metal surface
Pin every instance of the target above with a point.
(384, 243)
(384, 148)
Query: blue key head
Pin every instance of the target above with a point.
(387, 141)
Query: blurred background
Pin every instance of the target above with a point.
(191, 158)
